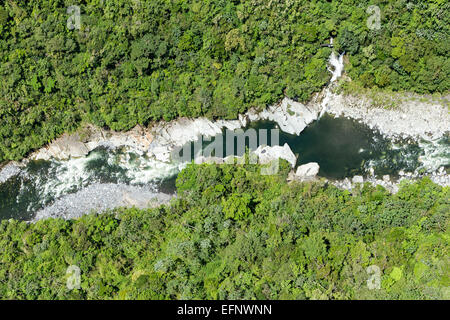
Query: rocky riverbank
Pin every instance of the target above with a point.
(417, 121)
(309, 171)
(410, 119)
(422, 121)
(392, 185)
(102, 197)
(160, 140)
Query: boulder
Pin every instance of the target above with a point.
(63, 148)
(307, 171)
(79, 144)
(358, 179)
(267, 154)
(291, 116)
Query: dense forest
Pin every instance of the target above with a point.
(230, 233)
(235, 234)
(133, 61)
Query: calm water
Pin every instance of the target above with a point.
(342, 147)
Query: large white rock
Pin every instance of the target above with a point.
(267, 154)
(170, 135)
(63, 148)
(232, 124)
(183, 130)
(253, 115)
(74, 146)
(291, 116)
(307, 171)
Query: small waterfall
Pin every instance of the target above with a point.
(337, 62)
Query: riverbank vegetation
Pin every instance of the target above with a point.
(135, 62)
(388, 98)
(233, 233)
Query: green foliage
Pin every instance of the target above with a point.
(348, 41)
(237, 206)
(133, 62)
(233, 233)
(408, 53)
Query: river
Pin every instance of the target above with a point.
(108, 178)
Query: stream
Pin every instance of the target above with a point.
(107, 178)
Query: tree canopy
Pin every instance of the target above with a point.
(237, 234)
(133, 62)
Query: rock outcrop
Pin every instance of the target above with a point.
(410, 119)
(170, 135)
(267, 154)
(307, 171)
(291, 116)
(262, 155)
(79, 144)
(63, 148)
(392, 185)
